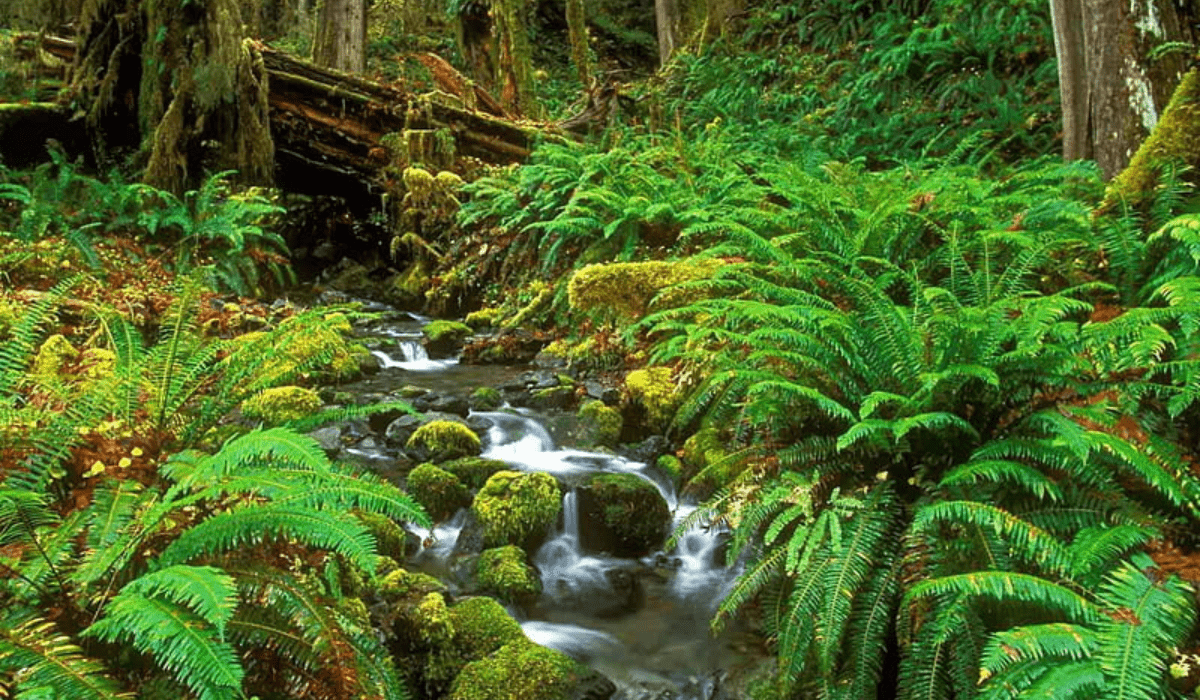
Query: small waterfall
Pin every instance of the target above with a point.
(701, 577)
(571, 515)
(414, 358)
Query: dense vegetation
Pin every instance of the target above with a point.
(941, 386)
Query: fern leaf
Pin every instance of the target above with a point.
(35, 656)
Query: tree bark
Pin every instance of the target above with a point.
(580, 52)
(1113, 89)
(667, 19)
(341, 40)
(175, 80)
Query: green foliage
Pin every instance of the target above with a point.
(270, 492)
(504, 572)
(437, 490)
(520, 669)
(441, 440)
(513, 507)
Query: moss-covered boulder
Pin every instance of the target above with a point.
(433, 617)
(624, 515)
(486, 317)
(517, 508)
(627, 290)
(486, 398)
(522, 670)
(652, 396)
(481, 626)
(400, 616)
(281, 404)
(505, 572)
(474, 471)
(704, 465)
(438, 491)
(445, 337)
(391, 540)
(672, 467)
(442, 440)
(599, 425)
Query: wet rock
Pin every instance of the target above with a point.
(445, 338)
(610, 395)
(456, 405)
(401, 429)
(329, 438)
(628, 595)
(485, 398)
(594, 686)
(622, 514)
(549, 360)
(379, 422)
(647, 451)
(470, 539)
(442, 440)
(553, 398)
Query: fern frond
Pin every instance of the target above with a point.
(35, 657)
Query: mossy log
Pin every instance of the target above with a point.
(331, 129)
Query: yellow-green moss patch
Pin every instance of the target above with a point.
(281, 404)
(626, 290)
(443, 440)
(513, 507)
(505, 572)
(437, 490)
(654, 389)
(522, 670)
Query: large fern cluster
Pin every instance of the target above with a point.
(198, 574)
(946, 449)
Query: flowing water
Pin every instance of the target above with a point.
(643, 623)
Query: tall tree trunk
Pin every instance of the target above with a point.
(667, 19)
(341, 40)
(1113, 91)
(683, 21)
(577, 30)
(200, 108)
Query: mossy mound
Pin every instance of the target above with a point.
(486, 398)
(390, 538)
(505, 572)
(445, 336)
(481, 626)
(474, 471)
(522, 670)
(55, 353)
(443, 440)
(704, 464)
(626, 290)
(628, 515)
(434, 617)
(404, 584)
(672, 467)
(281, 404)
(653, 390)
(438, 491)
(517, 508)
(599, 425)
(484, 318)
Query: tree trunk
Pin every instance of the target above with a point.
(477, 42)
(201, 108)
(1113, 91)
(514, 57)
(682, 21)
(667, 19)
(580, 52)
(341, 40)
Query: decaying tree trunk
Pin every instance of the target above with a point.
(1113, 87)
(493, 36)
(190, 99)
(341, 39)
(577, 31)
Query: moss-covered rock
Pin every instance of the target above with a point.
(672, 467)
(433, 617)
(281, 404)
(474, 471)
(505, 572)
(481, 626)
(626, 515)
(55, 353)
(437, 490)
(652, 391)
(445, 336)
(626, 290)
(443, 440)
(522, 670)
(390, 539)
(484, 318)
(599, 425)
(407, 289)
(406, 584)
(486, 398)
(517, 508)
(705, 466)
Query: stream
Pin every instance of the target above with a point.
(643, 623)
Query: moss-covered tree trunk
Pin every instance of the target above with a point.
(341, 39)
(494, 39)
(577, 30)
(1176, 138)
(681, 22)
(173, 85)
(1114, 87)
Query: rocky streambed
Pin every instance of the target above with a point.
(573, 541)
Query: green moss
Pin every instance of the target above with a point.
(485, 398)
(409, 287)
(505, 572)
(281, 404)
(435, 627)
(599, 425)
(512, 507)
(437, 490)
(626, 290)
(655, 390)
(389, 537)
(542, 294)
(522, 670)
(407, 584)
(484, 318)
(481, 627)
(54, 354)
(443, 440)
(631, 509)
(446, 331)
(705, 463)
(474, 471)
(1176, 137)
(672, 467)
